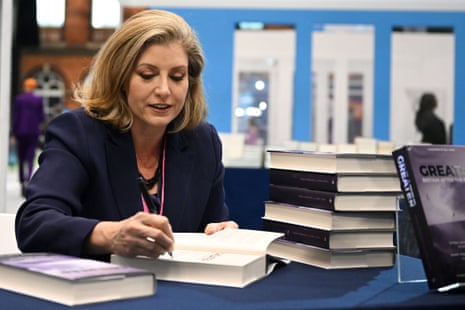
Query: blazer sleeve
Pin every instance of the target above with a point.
(49, 219)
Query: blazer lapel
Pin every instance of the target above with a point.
(121, 163)
(178, 177)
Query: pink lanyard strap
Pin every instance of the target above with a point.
(144, 204)
(162, 193)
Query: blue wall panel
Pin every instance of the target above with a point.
(216, 31)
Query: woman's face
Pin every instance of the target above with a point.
(158, 85)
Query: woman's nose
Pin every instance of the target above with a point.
(162, 86)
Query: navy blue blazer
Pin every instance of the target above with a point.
(88, 171)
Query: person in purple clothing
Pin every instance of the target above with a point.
(28, 115)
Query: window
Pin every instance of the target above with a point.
(105, 14)
(47, 17)
(51, 87)
(252, 109)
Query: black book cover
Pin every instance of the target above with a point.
(330, 239)
(305, 179)
(433, 182)
(302, 197)
(308, 235)
(336, 182)
(333, 201)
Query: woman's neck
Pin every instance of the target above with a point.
(148, 148)
(147, 141)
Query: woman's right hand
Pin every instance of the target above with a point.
(143, 234)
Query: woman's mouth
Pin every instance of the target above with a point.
(160, 106)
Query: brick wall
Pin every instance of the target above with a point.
(72, 56)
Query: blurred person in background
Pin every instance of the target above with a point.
(428, 123)
(28, 115)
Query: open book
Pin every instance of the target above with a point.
(231, 257)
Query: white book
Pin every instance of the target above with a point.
(71, 280)
(327, 219)
(333, 259)
(231, 257)
(331, 162)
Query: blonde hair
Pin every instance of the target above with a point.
(103, 96)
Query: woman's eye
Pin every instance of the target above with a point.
(178, 78)
(146, 76)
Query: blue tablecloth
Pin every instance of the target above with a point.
(295, 286)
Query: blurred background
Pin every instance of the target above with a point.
(298, 75)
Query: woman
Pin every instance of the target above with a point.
(432, 128)
(143, 116)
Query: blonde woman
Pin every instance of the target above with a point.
(139, 160)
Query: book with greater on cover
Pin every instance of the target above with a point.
(336, 182)
(433, 181)
(71, 280)
(331, 162)
(230, 257)
(335, 201)
(332, 239)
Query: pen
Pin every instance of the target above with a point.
(149, 202)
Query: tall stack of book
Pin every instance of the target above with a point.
(336, 210)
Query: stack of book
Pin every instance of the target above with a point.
(336, 210)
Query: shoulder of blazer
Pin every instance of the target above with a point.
(79, 117)
(204, 133)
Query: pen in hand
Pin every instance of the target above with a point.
(149, 202)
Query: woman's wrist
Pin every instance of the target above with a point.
(100, 239)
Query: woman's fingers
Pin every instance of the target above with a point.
(214, 227)
(144, 234)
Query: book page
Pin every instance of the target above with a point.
(243, 241)
(211, 258)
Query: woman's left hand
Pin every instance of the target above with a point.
(214, 227)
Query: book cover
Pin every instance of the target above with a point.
(332, 239)
(71, 280)
(335, 201)
(332, 259)
(331, 162)
(230, 257)
(329, 220)
(433, 182)
(336, 182)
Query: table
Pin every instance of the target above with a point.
(295, 286)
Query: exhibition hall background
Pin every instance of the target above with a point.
(293, 116)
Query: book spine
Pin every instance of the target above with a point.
(412, 196)
(296, 233)
(316, 181)
(302, 197)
